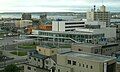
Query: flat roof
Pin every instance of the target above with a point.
(88, 56)
(47, 46)
(87, 45)
(69, 32)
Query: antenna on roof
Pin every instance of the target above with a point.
(102, 2)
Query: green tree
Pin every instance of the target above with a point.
(11, 68)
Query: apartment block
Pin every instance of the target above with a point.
(99, 15)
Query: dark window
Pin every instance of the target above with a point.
(83, 65)
(86, 66)
(91, 67)
(58, 70)
(75, 23)
(39, 60)
(52, 51)
(29, 68)
(39, 49)
(46, 62)
(79, 64)
(79, 50)
(34, 69)
(29, 57)
(69, 61)
(72, 26)
(35, 59)
(74, 62)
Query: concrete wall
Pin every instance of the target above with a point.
(81, 64)
(47, 51)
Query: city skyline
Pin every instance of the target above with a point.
(56, 6)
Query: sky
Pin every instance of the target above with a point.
(56, 5)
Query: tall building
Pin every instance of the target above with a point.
(26, 16)
(99, 15)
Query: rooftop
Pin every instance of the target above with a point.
(90, 56)
(35, 54)
(87, 45)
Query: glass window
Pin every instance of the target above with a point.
(29, 68)
(74, 62)
(69, 61)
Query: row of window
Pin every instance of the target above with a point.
(75, 23)
(73, 26)
(35, 59)
(29, 68)
(83, 65)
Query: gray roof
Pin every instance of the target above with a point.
(88, 56)
(87, 45)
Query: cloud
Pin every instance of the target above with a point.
(55, 5)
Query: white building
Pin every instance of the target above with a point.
(108, 32)
(66, 25)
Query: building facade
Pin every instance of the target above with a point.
(84, 62)
(99, 15)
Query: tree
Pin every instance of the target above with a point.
(11, 68)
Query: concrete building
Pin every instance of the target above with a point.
(107, 31)
(22, 23)
(99, 15)
(104, 49)
(84, 62)
(110, 48)
(26, 16)
(71, 36)
(66, 25)
(87, 47)
(41, 60)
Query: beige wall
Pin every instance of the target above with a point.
(81, 64)
(47, 51)
(110, 50)
(86, 49)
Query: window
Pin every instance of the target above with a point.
(35, 59)
(79, 64)
(29, 57)
(34, 69)
(46, 62)
(39, 49)
(69, 61)
(74, 62)
(86, 66)
(39, 60)
(83, 65)
(29, 68)
(52, 51)
(91, 67)
(79, 50)
(58, 70)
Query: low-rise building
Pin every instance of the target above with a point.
(87, 47)
(104, 49)
(84, 62)
(41, 60)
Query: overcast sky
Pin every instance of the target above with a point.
(55, 5)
